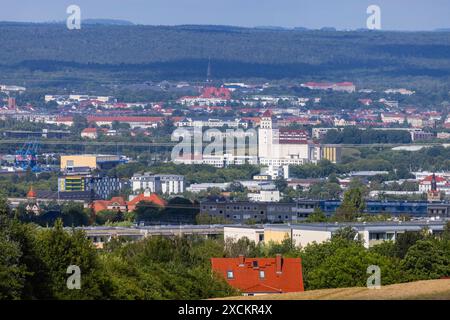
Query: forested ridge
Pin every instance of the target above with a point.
(31, 51)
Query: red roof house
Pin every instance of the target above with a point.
(267, 114)
(90, 133)
(211, 92)
(115, 204)
(255, 276)
(144, 197)
(119, 203)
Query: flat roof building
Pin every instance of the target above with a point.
(92, 161)
(302, 235)
(234, 234)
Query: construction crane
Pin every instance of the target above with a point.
(26, 157)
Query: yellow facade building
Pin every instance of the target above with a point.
(276, 234)
(332, 154)
(91, 161)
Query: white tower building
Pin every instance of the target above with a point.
(265, 136)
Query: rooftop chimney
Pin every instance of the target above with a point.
(279, 263)
(241, 260)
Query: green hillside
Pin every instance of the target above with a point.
(37, 52)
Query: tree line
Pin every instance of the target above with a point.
(34, 262)
(353, 135)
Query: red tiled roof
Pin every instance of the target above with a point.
(252, 119)
(267, 114)
(430, 178)
(280, 274)
(247, 110)
(101, 205)
(124, 119)
(89, 130)
(318, 84)
(64, 119)
(153, 198)
(31, 193)
(211, 92)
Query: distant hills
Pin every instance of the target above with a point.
(108, 22)
(117, 50)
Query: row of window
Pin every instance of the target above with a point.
(230, 274)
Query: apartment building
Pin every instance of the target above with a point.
(240, 211)
(218, 161)
(103, 187)
(160, 183)
(265, 196)
(212, 123)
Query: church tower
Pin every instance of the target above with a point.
(32, 204)
(434, 194)
(265, 135)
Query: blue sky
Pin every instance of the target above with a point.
(342, 14)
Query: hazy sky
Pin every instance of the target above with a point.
(342, 14)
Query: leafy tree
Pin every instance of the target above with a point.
(79, 123)
(333, 178)
(281, 184)
(147, 211)
(285, 248)
(343, 263)
(204, 219)
(37, 278)
(60, 249)
(163, 268)
(317, 216)
(241, 247)
(352, 206)
(404, 241)
(325, 191)
(12, 274)
(428, 259)
(446, 233)
(236, 187)
(346, 233)
(108, 216)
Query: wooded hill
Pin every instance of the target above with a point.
(37, 52)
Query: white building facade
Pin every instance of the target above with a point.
(161, 183)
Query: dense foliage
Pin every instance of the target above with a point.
(343, 261)
(192, 173)
(34, 262)
(134, 54)
(399, 164)
(353, 135)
